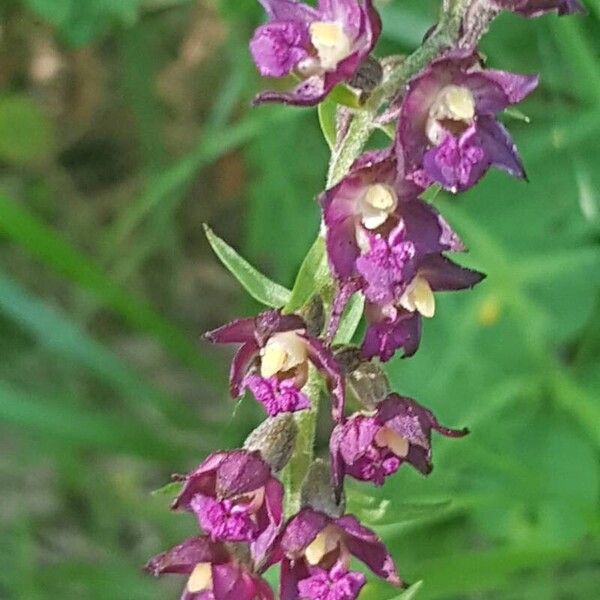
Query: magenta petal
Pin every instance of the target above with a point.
(292, 571)
(302, 529)
(278, 47)
(427, 229)
(499, 146)
(240, 364)
(241, 472)
(336, 583)
(444, 275)
(496, 90)
(238, 331)
(308, 93)
(323, 359)
(270, 519)
(384, 336)
(277, 396)
(184, 557)
(290, 10)
(457, 163)
(232, 582)
(365, 545)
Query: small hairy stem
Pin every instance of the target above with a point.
(301, 459)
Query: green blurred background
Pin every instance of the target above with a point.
(125, 124)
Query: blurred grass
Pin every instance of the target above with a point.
(126, 125)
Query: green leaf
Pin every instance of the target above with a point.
(376, 511)
(170, 489)
(261, 288)
(432, 192)
(327, 120)
(26, 133)
(343, 95)
(389, 129)
(23, 227)
(517, 115)
(411, 592)
(312, 277)
(350, 320)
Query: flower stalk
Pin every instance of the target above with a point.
(380, 243)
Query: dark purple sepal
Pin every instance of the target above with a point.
(182, 559)
(324, 360)
(388, 331)
(444, 275)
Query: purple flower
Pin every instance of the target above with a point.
(315, 552)
(213, 573)
(377, 228)
(336, 584)
(448, 132)
(273, 359)
(398, 324)
(536, 8)
(372, 446)
(235, 498)
(323, 46)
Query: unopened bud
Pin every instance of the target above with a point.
(368, 76)
(274, 438)
(318, 492)
(369, 384)
(314, 316)
(348, 358)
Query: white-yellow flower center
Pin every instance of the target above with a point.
(452, 103)
(282, 352)
(200, 578)
(419, 297)
(376, 205)
(326, 541)
(331, 43)
(386, 438)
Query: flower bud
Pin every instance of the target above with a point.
(317, 490)
(274, 438)
(314, 316)
(368, 76)
(348, 358)
(369, 384)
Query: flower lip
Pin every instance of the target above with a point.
(419, 297)
(283, 352)
(331, 42)
(200, 578)
(376, 204)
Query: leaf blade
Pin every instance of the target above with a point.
(260, 287)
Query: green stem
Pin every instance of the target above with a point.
(296, 469)
(445, 36)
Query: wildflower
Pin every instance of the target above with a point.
(315, 550)
(377, 228)
(448, 131)
(235, 498)
(398, 324)
(273, 361)
(371, 446)
(214, 573)
(322, 46)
